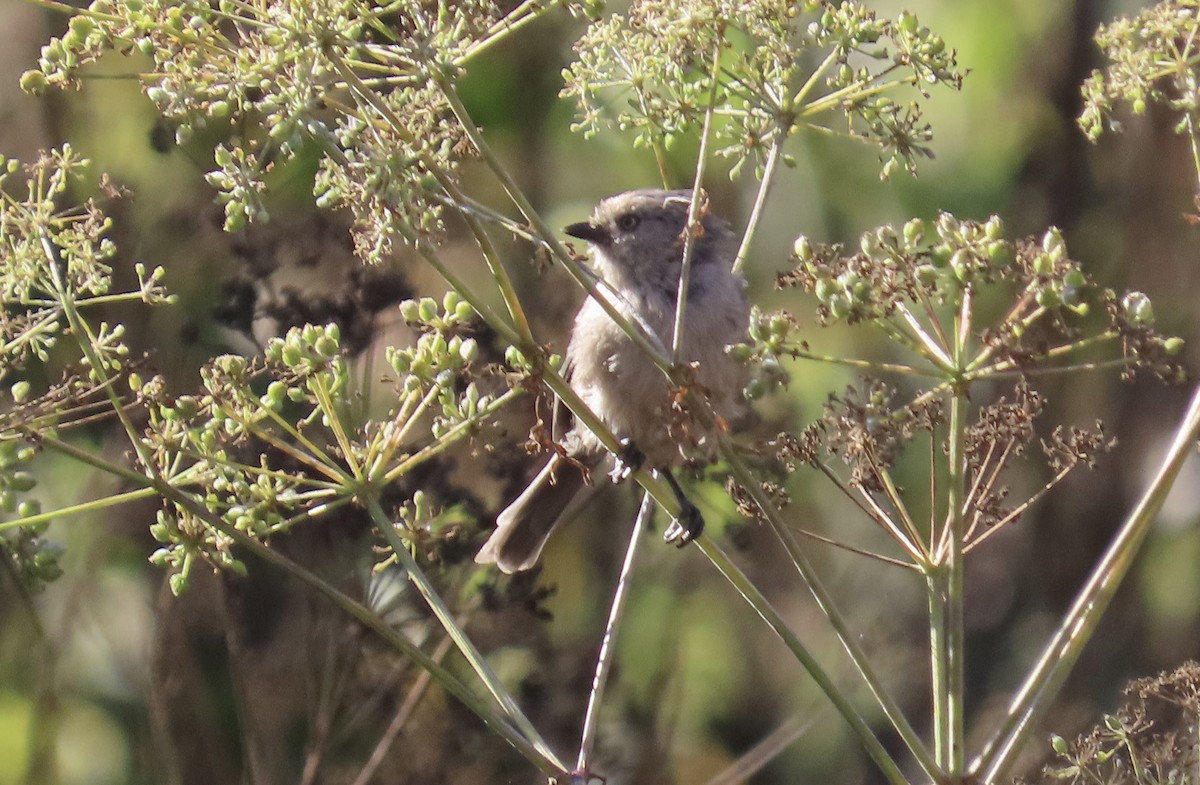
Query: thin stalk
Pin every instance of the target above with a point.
(478, 662)
(367, 773)
(954, 640)
(92, 506)
(495, 264)
(758, 756)
(760, 199)
(939, 665)
(693, 217)
(769, 615)
(1077, 628)
(641, 337)
(854, 549)
(869, 365)
(846, 636)
(933, 350)
(481, 708)
(605, 659)
(528, 12)
(445, 181)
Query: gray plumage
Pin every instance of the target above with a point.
(637, 247)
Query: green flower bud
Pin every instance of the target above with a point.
(1048, 298)
(994, 228)
(22, 481)
(427, 309)
(802, 249)
(34, 82)
(1138, 308)
(1173, 346)
(914, 231)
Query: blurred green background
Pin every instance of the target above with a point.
(105, 679)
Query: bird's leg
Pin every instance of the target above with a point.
(629, 460)
(690, 522)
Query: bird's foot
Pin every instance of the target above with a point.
(689, 524)
(687, 527)
(629, 460)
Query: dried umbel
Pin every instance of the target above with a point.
(1152, 737)
(920, 291)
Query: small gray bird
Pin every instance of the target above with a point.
(637, 248)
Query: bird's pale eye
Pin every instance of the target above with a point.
(628, 222)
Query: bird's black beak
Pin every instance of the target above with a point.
(597, 235)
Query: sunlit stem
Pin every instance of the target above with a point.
(755, 598)
(607, 649)
(757, 757)
(890, 526)
(1077, 628)
(495, 264)
(75, 509)
(387, 527)
(760, 199)
(869, 365)
(936, 353)
(693, 218)
(846, 636)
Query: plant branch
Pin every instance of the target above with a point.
(1077, 628)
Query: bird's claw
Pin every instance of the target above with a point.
(687, 527)
(629, 460)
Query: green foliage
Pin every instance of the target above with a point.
(283, 440)
(1154, 59)
(657, 70)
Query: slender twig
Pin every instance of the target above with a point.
(616, 612)
(400, 719)
(846, 636)
(92, 506)
(755, 598)
(699, 202)
(1077, 628)
(757, 757)
(387, 527)
(845, 546)
(760, 199)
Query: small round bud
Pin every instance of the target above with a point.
(20, 391)
(803, 249)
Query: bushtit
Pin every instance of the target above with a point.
(637, 241)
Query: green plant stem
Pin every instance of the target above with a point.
(607, 649)
(757, 757)
(693, 217)
(755, 598)
(642, 337)
(477, 661)
(760, 200)
(446, 182)
(846, 636)
(74, 509)
(939, 666)
(1077, 628)
(481, 708)
(525, 13)
(495, 264)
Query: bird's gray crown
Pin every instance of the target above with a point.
(646, 225)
